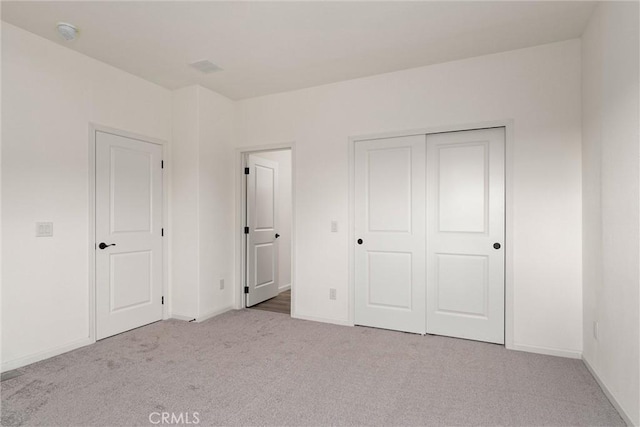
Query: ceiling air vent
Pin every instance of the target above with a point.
(205, 66)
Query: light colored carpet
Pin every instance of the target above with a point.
(254, 367)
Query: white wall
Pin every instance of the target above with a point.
(184, 231)
(611, 190)
(216, 202)
(202, 204)
(539, 88)
(50, 95)
(283, 158)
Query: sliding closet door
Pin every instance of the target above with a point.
(465, 234)
(390, 233)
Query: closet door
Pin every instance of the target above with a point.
(465, 234)
(390, 233)
(128, 233)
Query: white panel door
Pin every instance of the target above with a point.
(390, 233)
(262, 217)
(128, 233)
(465, 234)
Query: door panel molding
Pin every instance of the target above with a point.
(91, 242)
(479, 312)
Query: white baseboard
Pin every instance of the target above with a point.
(607, 392)
(182, 317)
(213, 314)
(284, 288)
(322, 320)
(549, 351)
(41, 355)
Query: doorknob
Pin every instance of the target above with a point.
(103, 245)
(277, 235)
(496, 246)
(359, 241)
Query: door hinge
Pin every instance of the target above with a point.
(162, 164)
(162, 232)
(162, 300)
(246, 289)
(246, 171)
(246, 230)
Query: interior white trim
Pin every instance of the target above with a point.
(213, 313)
(508, 124)
(182, 317)
(284, 288)
(241, 153)
(166, 180)
(323, 320)
(626, 418)
(509, 197)
(549, 351)
(41, 355)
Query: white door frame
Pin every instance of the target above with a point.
(240, 258)
(91, 244)
(508, 124)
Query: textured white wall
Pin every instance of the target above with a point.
(283, 158)
(611, 200)
(539, 88)
(50, 94)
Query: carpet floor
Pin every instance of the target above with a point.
(254, 367)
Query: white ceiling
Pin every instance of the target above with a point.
(269, 47)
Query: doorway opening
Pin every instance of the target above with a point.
(267, 218)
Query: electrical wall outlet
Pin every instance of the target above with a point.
(332, 293)
(334, 226)
(44, 229)
(221, 284)
(596, 331)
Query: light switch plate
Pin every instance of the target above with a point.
(44, 229)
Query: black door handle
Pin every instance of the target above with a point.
(359, 241)
(277, 235)
(496, 246)
(103, 245)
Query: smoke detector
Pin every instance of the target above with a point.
(67, 31)
(205, 66)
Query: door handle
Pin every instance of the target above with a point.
(103, 245)
(359, 241)
(496, 246)
(277, 235)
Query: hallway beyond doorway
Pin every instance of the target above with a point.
(278, 304)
